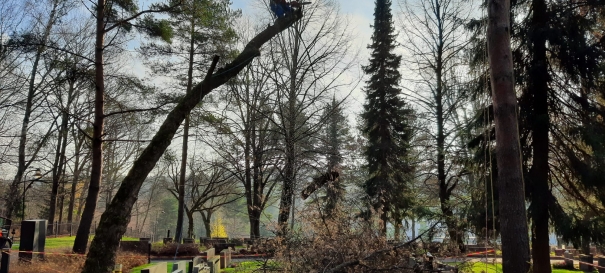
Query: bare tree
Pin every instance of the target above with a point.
(434, 37)
(307, 68)
(57, 9)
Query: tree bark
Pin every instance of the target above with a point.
(178, 233)
(190, 224)
(513, 223)
(102, 254)
(59, 166)
(96, 171)
(540, 192)
(206, 220)
(74, 182)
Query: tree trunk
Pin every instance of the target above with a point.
(96, 171)
(190, 224)
(254, 217)
(207, 226)
(183, 173)
(287, 190)
(74, 183)
(13, 200)
(513, 223)
(178, 233)
(102, 254)
(540, 192)
(59, 166)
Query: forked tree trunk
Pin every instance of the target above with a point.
(102, 254)
(513, 221)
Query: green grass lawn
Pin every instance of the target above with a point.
(497, 268)
(66, 242)
(251, 266)
(138, 268)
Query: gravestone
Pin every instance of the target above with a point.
(156, 268)
(209, 253)
(197, 265)
(167, 241)
(33, 238)
(601, 264)
(145, 239)
(214, 263)
(225, 258)
(188, 241)
(586, 262)
(181, 265)
(568, 260)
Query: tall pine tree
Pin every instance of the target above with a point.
(386, 121)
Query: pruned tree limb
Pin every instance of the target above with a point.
(318, 182)
(342, 266)
(112, 225)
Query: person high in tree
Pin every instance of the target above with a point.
(282, 8)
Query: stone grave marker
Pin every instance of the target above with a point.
(197, 265)
(209, 253)
(568, 259)
(181, 265)
(215, 264)
(156, 268)
(225, 258)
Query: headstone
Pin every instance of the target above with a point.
(215, 264)
(188, 241)
(145, 239)
(156, 268)
(181, 265)
(197, 260)
(601, 264)
(197, 265)
(167, 240)
(568, 259)
(586, 262)
(225, 258)
(201, 268)
(209, 253)
(559, 252)
(33, 238)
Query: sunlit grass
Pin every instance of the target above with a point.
(66, 242)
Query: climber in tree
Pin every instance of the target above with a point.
(282, 8)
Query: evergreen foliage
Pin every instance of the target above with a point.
(386, 118)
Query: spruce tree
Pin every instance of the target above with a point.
(386, 121)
